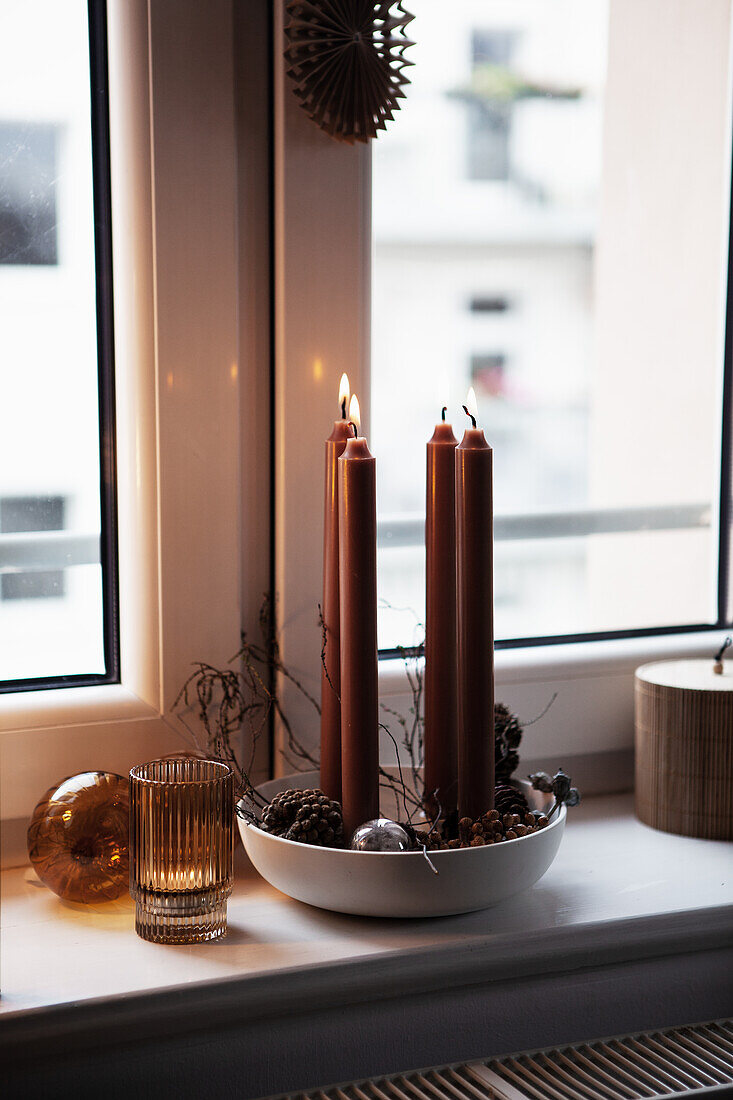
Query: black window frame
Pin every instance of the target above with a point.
(99, 85)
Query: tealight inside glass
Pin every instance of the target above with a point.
(181, 815)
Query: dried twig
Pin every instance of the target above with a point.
(240, 700)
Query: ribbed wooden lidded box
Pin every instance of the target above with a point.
(684, 748)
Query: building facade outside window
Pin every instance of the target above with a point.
(509, 279)
(177, 395)
(51, 341)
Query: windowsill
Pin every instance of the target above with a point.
(64, 706)
(577, 660)
(617, 893)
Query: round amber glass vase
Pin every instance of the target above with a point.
(181, 815)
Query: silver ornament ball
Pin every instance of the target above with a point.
(380, 835)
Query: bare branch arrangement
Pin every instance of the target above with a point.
(224, 710)
(233, 706)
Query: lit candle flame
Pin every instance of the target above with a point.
(472, 404)
(344, 393)
(355, 412)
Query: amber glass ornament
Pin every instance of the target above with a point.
(78, 837)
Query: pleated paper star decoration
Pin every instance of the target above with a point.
(346, 58)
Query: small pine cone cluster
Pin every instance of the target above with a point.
(510, 800)
(307, 816)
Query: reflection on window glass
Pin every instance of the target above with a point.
(489, 195)
(51, 608)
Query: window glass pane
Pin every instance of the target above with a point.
(51, 603)
(539, 234)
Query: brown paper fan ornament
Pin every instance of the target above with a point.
(346, 58)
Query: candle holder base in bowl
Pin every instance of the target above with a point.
(401, 884)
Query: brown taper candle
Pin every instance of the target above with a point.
(331, 664)
(441, 703)
(358, 598)
(474, 554)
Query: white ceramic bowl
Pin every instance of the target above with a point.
(401, 884)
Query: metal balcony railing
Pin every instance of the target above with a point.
(47, 550)
(409, 530)
(60, 549)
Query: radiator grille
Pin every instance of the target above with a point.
(681, 1061)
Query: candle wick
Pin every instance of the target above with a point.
(473, 418)
(343, 409)
(443, 411)
(356, 430)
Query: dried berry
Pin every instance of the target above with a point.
(559, 785)
(492, 827)
(431, 840)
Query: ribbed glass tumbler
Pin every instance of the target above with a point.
(181, 816)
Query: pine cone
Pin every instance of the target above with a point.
(307, 816)
(507, 736)
(280, 814)
(509, 800)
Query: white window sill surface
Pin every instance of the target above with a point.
(577, 660)
(617, 892)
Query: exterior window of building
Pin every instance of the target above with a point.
(489, 304)
(31, 515)
(522, 277)
(488, 373)
(489, 101)
(28, 194)
(57, 543)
